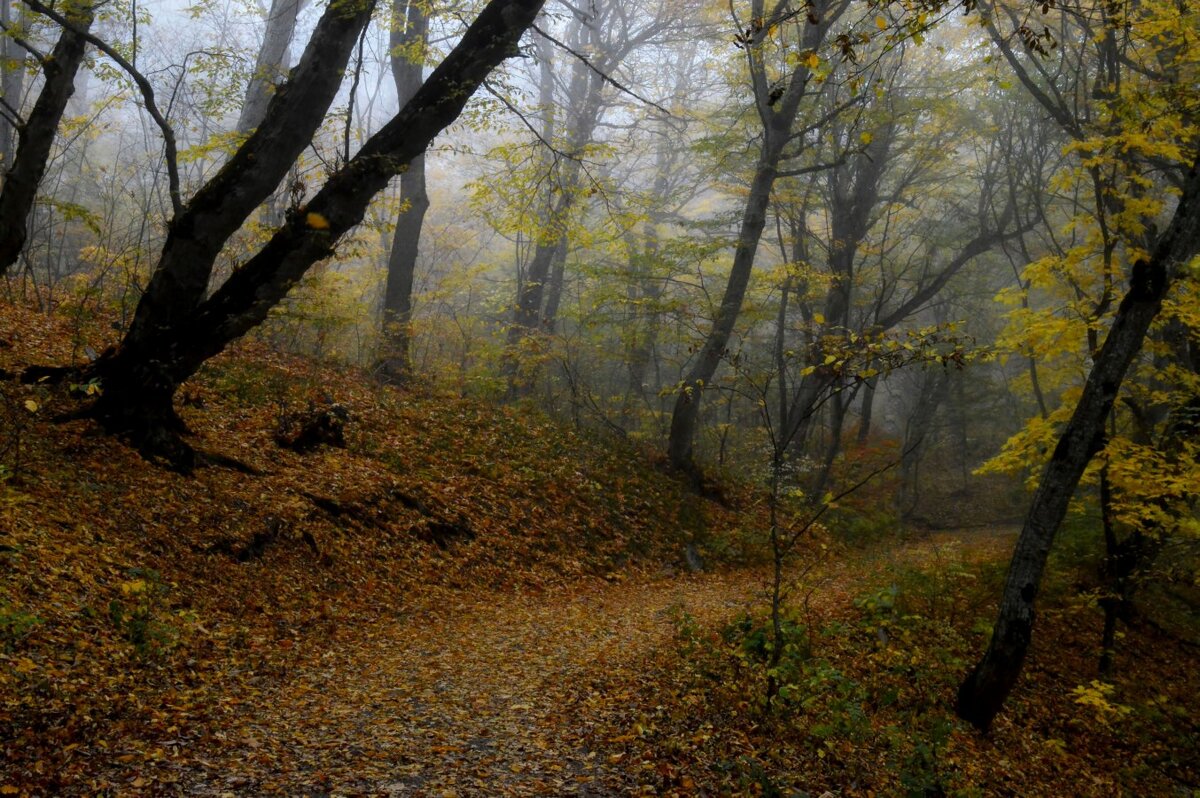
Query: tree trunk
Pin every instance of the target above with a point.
(197, 235)
(395, 365)
(272, 64)
(36, 137)
(12, 86)
(139, 380)
(529, 315)
(934, 388)
(987, 686)
(554, 287)
(867, 411)
(777, 118)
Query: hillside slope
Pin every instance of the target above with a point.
(138, 605)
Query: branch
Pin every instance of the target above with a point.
(24, 43)
(168, 134)
(603, 76)
(807, 170)
(490, 89)
(11, 114)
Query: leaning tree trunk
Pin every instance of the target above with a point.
(395, 365)
(987, 686)
(197, 234)
(139, 382)
(36, 136)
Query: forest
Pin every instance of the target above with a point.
(599, 397)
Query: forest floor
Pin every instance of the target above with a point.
(530, 694)
(478, 601)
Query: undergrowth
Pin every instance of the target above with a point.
(866, 703)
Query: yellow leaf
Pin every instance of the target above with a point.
(316, 221)
(133, 587)
(8, 789)
(865, 137)
(881, 23)
(812, 60)
(819, 318)
(31, 405)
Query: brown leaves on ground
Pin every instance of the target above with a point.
(470, 602)
(142, 613)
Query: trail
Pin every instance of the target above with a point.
(494, 695)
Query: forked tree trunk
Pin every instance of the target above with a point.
(199, 232)
(984, 691)
(778, 118)
(140, 378)
(36, 136)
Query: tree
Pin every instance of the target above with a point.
(409, 38)
(271, 64)
(176, 327)
(777, 105)
(599, 41)
(1142, 123)
(36, 133)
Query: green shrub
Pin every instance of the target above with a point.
(15, 625)
(137, 615)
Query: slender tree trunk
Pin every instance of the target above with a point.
(777, 118)
(987, 686)
(867, 411)
(272, 64)
(934, 388)
(554, 288)
(395, 365)
(12, 86)
(529, 315)
(36, 137)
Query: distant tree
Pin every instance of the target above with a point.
(409, 40)
(271, 64)
(600, 40)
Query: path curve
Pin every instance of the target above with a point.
(484, 696)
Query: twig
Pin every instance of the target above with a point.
(168, 134)
(603, 75)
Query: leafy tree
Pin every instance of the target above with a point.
(777, 104)
(1127, 102)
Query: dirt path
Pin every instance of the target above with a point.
(489, 696)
